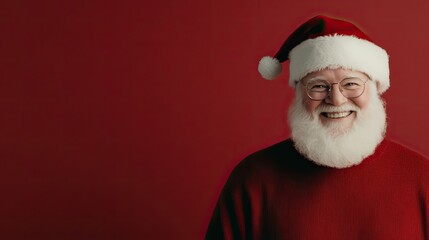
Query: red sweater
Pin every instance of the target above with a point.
(278, 194)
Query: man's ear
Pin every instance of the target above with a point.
(378, 85)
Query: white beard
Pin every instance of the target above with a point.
(336, 145)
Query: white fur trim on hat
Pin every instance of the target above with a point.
(269, 67)
(340, 51)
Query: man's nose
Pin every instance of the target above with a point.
(335, 97)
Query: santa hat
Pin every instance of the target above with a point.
(323, 42)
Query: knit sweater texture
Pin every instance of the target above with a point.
(277, 193)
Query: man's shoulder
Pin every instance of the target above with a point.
(280, 151)
(277, 159)
(400, 150)
(407, 158)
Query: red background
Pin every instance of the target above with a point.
(122, 120)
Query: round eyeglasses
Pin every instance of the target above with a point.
(318, 89)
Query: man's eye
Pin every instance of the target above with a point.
(319, 87)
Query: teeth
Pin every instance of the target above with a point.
(338, 114)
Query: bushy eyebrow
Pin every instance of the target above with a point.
(316, 78)
(324, 79)
(352, 76)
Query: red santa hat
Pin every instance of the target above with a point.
(323, 42)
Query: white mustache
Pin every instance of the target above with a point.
(343, 108)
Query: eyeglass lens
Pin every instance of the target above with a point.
(350, 88)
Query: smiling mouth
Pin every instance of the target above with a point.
(336, 115)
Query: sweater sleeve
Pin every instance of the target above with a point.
(237, 213)
(423, 174)
(424, 206)
(228, 219)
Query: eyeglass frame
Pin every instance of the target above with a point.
(339, 86)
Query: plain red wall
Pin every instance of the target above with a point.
(123, 119)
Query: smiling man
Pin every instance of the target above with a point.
(337, 177)
(338, 118)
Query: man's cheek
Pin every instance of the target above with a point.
(310, 106)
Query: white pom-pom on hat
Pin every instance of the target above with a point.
(269, 68)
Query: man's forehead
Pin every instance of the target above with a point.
(334, 74)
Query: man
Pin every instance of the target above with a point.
(337, 177)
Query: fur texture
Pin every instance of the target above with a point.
(269, 68)
(340, 51)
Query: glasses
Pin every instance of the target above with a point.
(318, 89)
